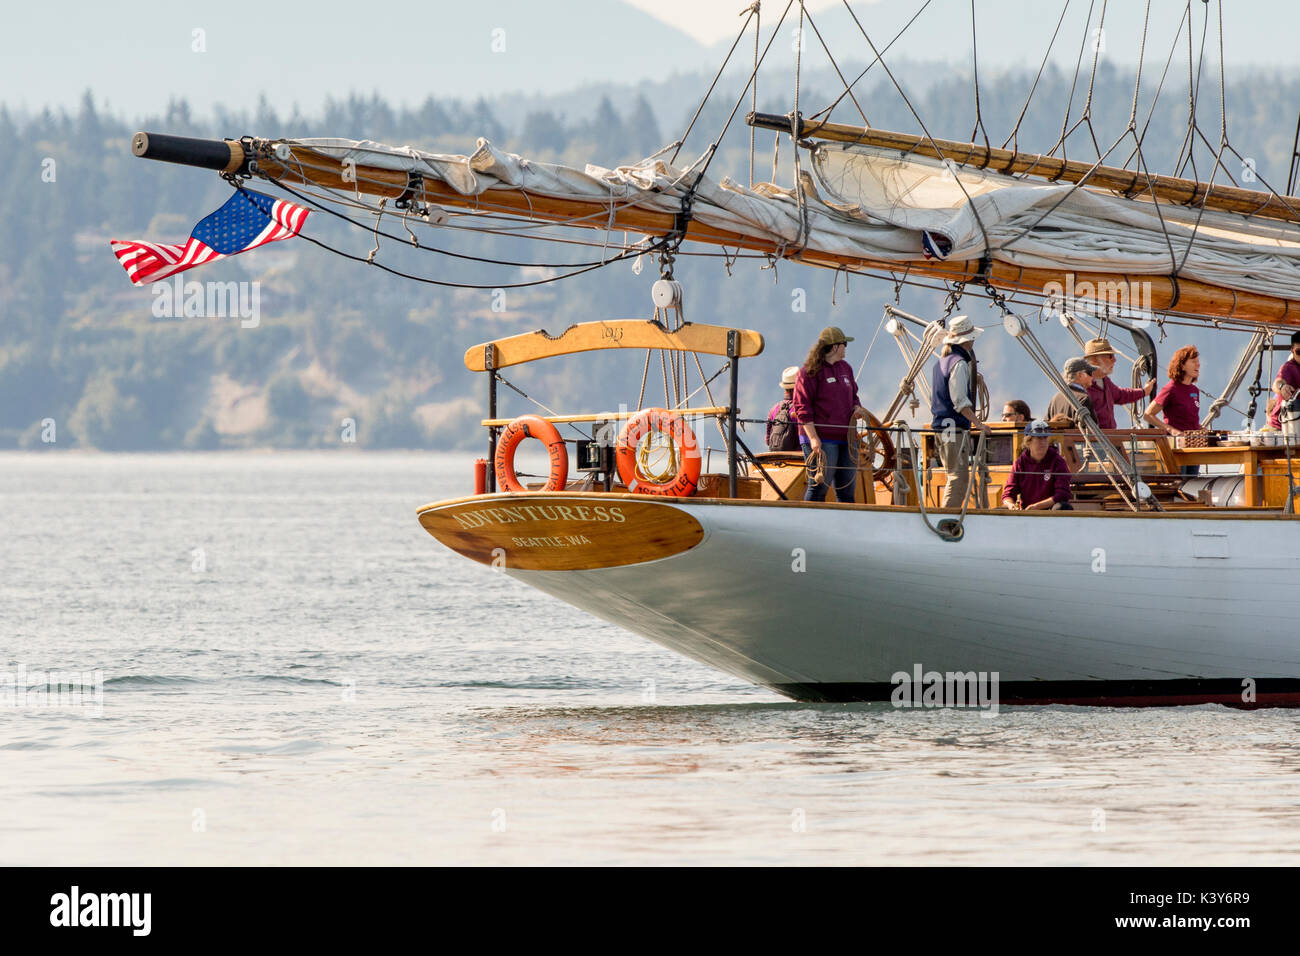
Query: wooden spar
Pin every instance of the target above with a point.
(225, 156)
(708, 411)
(1155, 293)
(612, 334)
(1171, 189)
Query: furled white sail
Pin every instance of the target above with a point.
(1059, 226)
(875, 204)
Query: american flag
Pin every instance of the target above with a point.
(246, 221)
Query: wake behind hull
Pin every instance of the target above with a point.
(831, 603)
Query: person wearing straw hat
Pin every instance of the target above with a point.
(1104, 393)
(825, 401)
(952, 406)
(782, 431)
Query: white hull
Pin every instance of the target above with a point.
(830, 603)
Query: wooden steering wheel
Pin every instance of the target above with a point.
(873, 445)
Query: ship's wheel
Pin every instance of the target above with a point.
(874, 445)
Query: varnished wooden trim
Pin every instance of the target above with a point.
(613, 334)
(562, 531)
(707, 411)
(1217, 514)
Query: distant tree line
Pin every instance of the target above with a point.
(337, 342)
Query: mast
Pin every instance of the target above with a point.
(287, 162)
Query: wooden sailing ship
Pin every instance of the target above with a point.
(1154, 590)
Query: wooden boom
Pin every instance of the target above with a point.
(1158, 293)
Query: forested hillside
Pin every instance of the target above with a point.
(334, 340)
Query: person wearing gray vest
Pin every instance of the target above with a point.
(952, 404)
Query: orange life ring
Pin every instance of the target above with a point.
(530, 426)
(685, 454)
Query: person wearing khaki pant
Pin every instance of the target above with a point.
(954, 452)
(952, 407)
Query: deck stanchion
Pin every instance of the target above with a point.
(734, 362)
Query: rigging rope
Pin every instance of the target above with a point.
(369, 260)
(800, 198)
(1015, 130)
(1092, 79)
(709, 92)
(975, 64)
(830, 56)
(1142, 51)
(432, 249)
(834, 103)
(1069, 103)
(979, 220)
(753, 102)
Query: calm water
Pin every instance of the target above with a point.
(296, 673)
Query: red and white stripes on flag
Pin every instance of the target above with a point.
(247, 220)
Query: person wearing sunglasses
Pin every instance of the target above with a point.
(1017, 411)
(1105, 394)
(1287, 383)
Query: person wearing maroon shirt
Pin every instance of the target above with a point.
(1287, 383)
(1040, 478)
(1104, 393)
(825, 400)
(1180, 399)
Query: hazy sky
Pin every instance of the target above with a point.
(301, 54)
(712, 20)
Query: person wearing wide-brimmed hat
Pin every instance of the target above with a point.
(1061, 412)
(825, 401)
(1104, 393)
(952, 406)
(782, 430)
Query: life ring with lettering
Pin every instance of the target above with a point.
(530, 426)
(657, 454)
